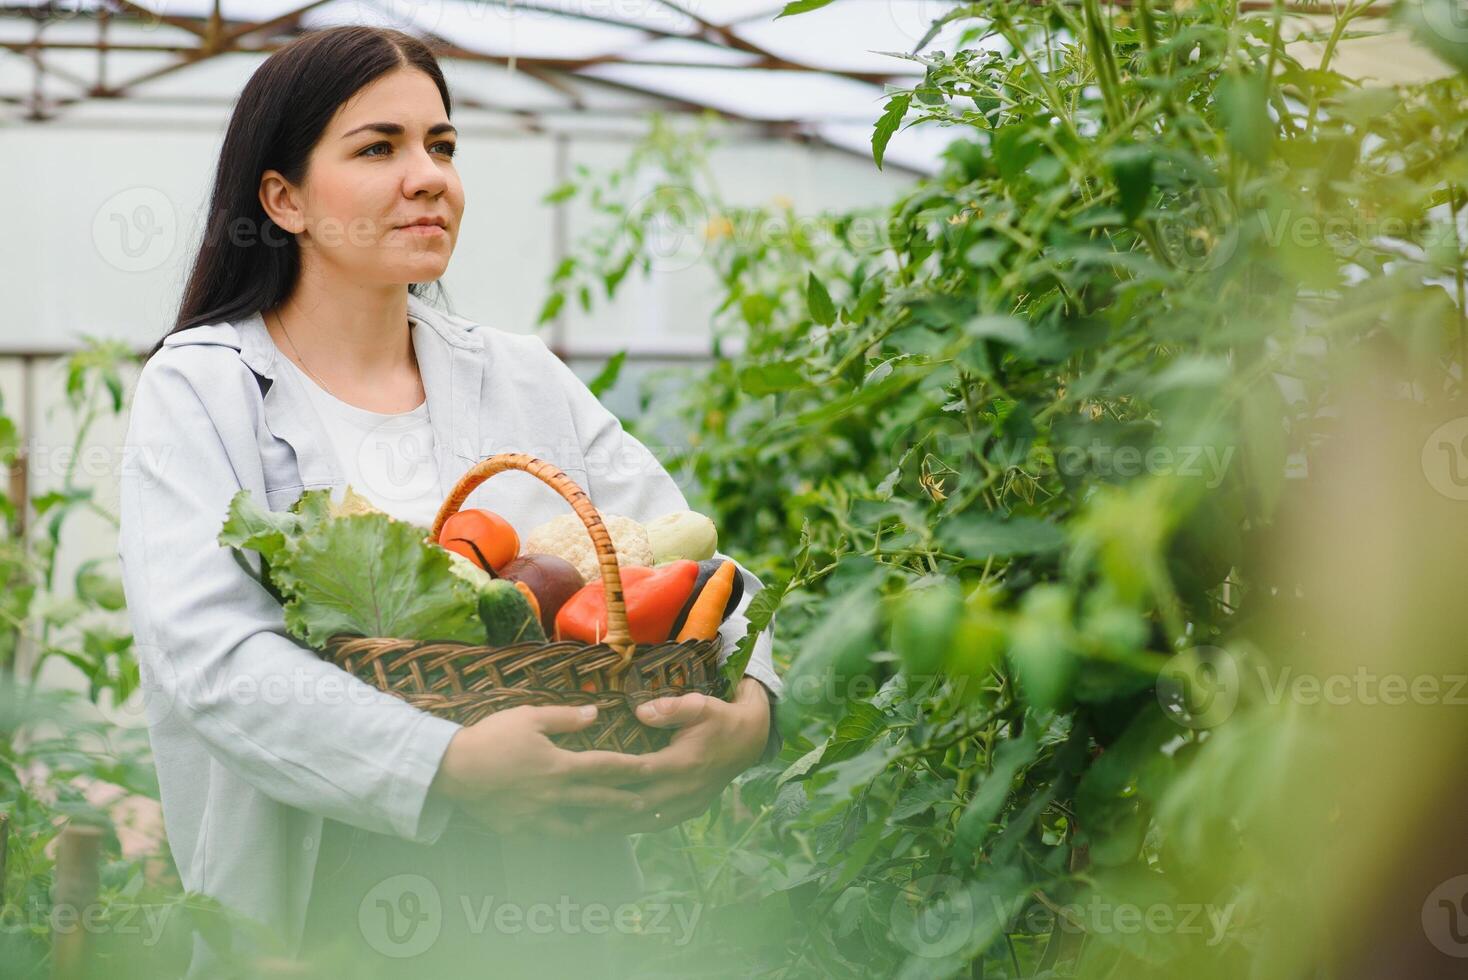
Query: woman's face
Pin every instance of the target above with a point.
(384, 161)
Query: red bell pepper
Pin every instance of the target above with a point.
(654, 597)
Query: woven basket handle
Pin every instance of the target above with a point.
(619, 635)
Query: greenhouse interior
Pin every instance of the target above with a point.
(1052, 412)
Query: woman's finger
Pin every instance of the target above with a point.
(676, 759)
(672, 712)
(554, 719)
(601, 766)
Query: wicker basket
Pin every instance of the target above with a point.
(464, 682)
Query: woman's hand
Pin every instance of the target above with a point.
(715, 741)
(507, 774)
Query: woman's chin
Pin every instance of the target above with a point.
(424, 270)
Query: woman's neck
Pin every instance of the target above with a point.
(356, 343)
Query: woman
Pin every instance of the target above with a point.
(304, 357)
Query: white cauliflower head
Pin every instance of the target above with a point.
(566, 537)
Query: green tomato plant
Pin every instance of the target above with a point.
(1009, 454)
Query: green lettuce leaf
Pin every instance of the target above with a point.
(251, 526)
(371, 575)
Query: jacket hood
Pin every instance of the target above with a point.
(250, 337)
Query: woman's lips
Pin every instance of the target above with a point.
(423, 230)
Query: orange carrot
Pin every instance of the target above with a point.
(530, 597)
(708, 609)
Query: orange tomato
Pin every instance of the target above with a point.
(482, 536)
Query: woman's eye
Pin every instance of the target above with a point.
(452, 148)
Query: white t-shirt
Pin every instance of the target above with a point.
(387, 457)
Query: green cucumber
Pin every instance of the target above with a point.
(507, 615)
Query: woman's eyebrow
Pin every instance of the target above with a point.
(396, 129)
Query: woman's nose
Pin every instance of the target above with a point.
(424, 174)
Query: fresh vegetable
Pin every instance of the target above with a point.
(552, 580)
(682, 534)
(707, 613)
(566, 537)
(364, 574)
(508, 614)
(653, 597)
(706, 570)
(524, 590)
(352, 502)
(483, 536)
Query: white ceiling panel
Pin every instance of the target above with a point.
(851, 35)
(754, 94)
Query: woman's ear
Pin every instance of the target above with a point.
(278, 198)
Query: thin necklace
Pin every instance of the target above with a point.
(317, 378)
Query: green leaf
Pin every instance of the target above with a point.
(923, 795)
(801, 766)
(553, 304)
(984, 536)
(613, 277)
(761, 612)
(371, 575)
(862, 723)
(59, 498)
(96, 586)
(1131, 168)
(801, 7)
(835, 408)
(888, 124)
(560, 193)
(1041, 645)
(1241, 104)
(865, 846)
(822, 310)
(1115, 795)
(606, 378)
(850, 775)
(9, 440)
(1009, 758)
(834, 650)
(251, 526)
(765, 379)
(1009, 329)
(924, 623)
